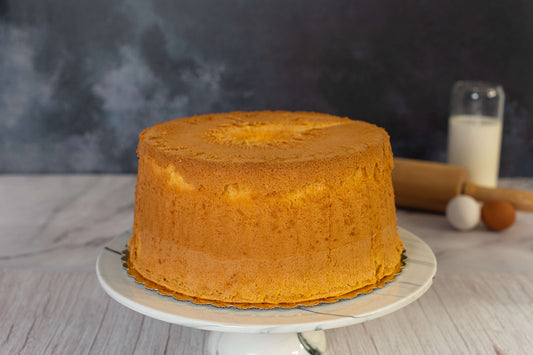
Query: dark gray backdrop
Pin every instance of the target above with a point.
(80, 79)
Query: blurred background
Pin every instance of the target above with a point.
(79, 80)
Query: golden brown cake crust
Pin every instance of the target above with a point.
(264, 207)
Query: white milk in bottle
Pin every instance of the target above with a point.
(475, 129)
(475, 142)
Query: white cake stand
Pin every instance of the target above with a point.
(273, 331)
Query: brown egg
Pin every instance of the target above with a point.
(498, 215)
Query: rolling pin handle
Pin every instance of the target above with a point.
(521, 200)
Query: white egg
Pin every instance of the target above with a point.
(463, 212)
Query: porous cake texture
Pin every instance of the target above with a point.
(265, 208)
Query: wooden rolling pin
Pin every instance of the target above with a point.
(429, 186)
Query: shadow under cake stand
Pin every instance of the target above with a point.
(272, 331)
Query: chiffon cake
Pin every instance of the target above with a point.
(264, 209)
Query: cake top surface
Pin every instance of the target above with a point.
(277, 136)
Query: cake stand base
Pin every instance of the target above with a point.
(223, 343)
(277, 331)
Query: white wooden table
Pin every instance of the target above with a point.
(53, 227)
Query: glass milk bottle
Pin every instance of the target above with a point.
(475, 129)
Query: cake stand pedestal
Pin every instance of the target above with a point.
(277, 331)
